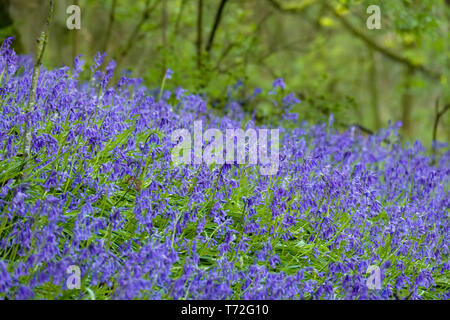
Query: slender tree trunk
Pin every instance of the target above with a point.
(5, 18)
(164, 34)
(132, 39)
(373, 85)
(6, 21)
(216, 25)
(199, 33)
(112, 17)
(407, 103)
(437, 117)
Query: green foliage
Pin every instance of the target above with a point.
(309, 43)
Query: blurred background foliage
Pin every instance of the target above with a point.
(321, 48)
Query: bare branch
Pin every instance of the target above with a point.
(371, 43)
(387, 53)
(199, 33)
(216, 25)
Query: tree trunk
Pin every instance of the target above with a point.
(407, 103)
(112, 16)
(7, 28)
(199, 33)
(164, 34)
(373, 85)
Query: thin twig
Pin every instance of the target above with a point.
(371, 43)
(199, 33)
(215, 25)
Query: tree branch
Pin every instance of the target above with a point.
(216, 25)
(437, 118)
(199, 33)
(360, 35)
(387, 53)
